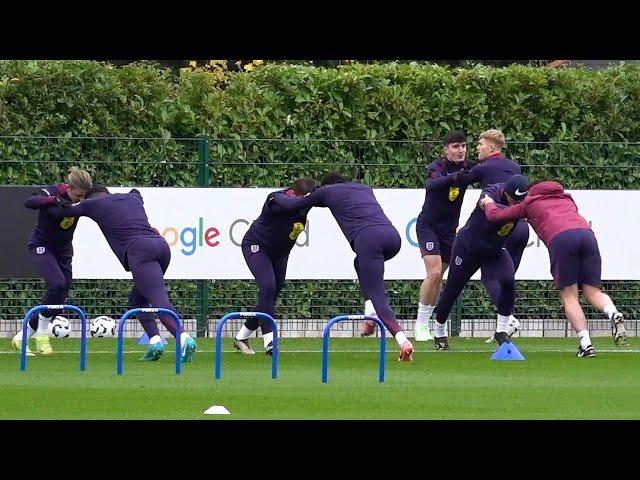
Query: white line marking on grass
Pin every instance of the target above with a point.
(550, 350)
(77, 352)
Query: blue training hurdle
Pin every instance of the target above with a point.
(342, 318)
(83, 332)
(261, 316)
(135, 311)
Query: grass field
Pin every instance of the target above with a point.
(462, 384)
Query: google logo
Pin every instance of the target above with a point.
(191, 237)
(407, 232)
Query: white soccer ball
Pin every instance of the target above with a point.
(59, 327)
(103, 326)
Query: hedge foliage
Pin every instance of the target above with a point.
(375, 122)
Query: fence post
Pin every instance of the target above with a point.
(202, 285)
(202, 306)
(203, 161)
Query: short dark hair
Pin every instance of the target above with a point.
(332, 178)
(97, 188)
(455, 136)
(305, 185)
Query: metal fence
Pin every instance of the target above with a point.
(157, 162)
(304, 306)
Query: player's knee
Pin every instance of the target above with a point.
(591, 292)
(434, 276)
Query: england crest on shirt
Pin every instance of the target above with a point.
(255, 248)
(458, 260)
(429, 246)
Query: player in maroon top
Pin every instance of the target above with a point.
(573, 251)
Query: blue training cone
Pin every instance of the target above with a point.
(144, 339)
(507, 351)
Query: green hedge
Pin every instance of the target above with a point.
(379, 105)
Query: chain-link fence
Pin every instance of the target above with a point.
(154, 162)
